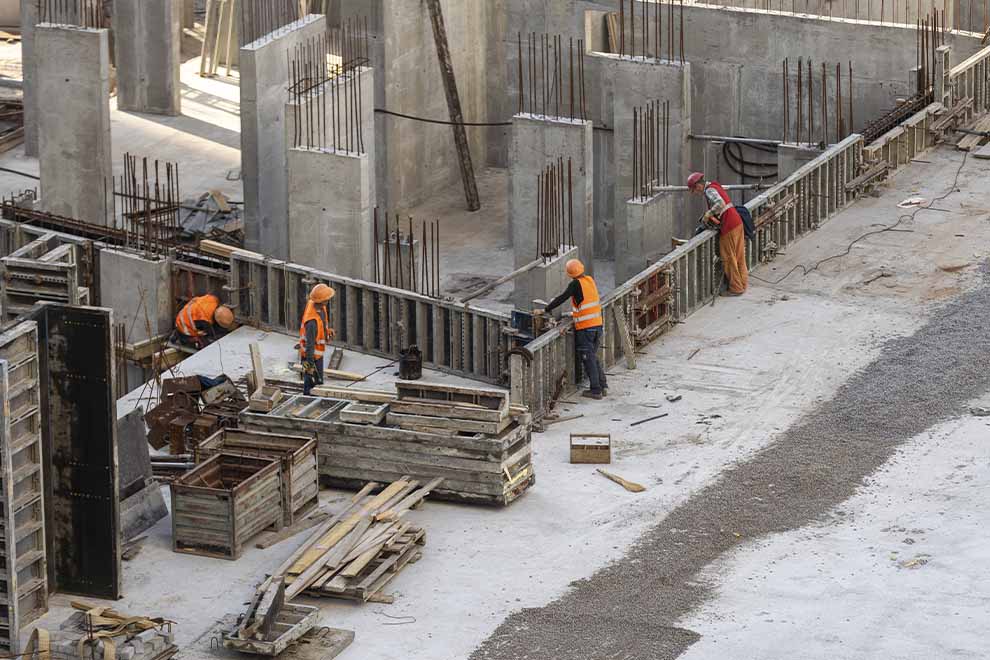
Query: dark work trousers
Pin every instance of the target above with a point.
(587, 342)
(309, 382)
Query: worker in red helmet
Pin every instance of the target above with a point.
(586, 312)
(314, 335)
(722, 215)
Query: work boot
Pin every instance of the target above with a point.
(588, 394)
(604, 391)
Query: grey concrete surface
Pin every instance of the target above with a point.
(147, 42)
(545, 282)
(74, 122)
(643, 232)
(29, 68)
(264, 93)
(790, 158)
(539, 141)
(330, 225)
(137, 290)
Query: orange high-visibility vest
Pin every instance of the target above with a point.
(313, 314)
(197, 309)
(589, 313)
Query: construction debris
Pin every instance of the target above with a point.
(631, 486)
(192, 408)
(101, 632)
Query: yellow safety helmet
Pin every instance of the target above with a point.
(321, 293)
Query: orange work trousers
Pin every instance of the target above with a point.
(732, 249)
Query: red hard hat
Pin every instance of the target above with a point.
(694, 178)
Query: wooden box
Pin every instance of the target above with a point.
(265, 399)
(300, 480)
(222, 503)
(364, 413)
(591, 448)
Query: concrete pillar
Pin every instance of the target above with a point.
(790, 158)
(188, 14)
(537, 142)
(147, 41)
(943, 65)
(330, 225)
(545, 282)
(74, 122)
(137, 290)
(645, 235)
(29, 65)
(264, 85)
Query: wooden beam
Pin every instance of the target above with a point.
(454, 105)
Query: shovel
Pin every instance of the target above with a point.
(631, 486)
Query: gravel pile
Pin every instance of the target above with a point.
(628, 610)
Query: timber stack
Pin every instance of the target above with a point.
(472, 438)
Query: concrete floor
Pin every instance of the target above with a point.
(746, 368)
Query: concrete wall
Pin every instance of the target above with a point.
(264, 93)
(137, 290)
(147, 40)
(74, 123)
(537, 142)
(29, 64)
(645, 235)
(545, 282)
(330, 212)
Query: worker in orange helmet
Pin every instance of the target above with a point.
(197, 323)
(722, 215)
(586, 312)
(314, 335)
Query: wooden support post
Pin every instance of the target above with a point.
(454, 105)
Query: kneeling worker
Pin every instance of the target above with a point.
(731, 233)
(196, 325)
(586, 312)
(314, 334)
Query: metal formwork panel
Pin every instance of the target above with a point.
(24, 584)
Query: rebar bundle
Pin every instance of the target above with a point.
(325, 75)
(651, 151)
(82, 13)
(542, 76)
(652, 30)
(822, 125)
(259, 18)
(554, 209)
(395, 255)
(149, 204)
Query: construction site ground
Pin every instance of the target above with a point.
(863, 554)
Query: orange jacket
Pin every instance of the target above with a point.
(313, 313)
(589, 313)
(197, 309)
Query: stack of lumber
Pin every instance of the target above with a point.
(353, 556)
(971, 142)
(471, 437)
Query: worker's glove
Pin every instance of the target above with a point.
(198, 343)
(309, 367)
(331, 334)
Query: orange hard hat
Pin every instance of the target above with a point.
(321, 293)
(224, 317)
(575, 268)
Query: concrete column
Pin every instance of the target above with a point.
(943, 65)
(147, 41)
(537, 142)
(790, 158)
(264, 85)
(137, 290)
(188, 14)
(74, 122)
(645, 235)
(545, 282)
(29, 65)
(330, 225)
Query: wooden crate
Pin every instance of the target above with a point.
(363, 413)
(292, 622)
(23, 567)
(296, 454)
(595, 448)
(222, 503)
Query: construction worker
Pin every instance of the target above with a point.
(314, 334)
(732, 235)
(197, 322)
(586, 312)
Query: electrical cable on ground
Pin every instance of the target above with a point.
(805, 271)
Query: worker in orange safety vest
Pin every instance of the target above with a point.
(196, 324)
(586, 312)
(314, 335)
(722, 215)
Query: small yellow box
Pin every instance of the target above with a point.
(591, 448)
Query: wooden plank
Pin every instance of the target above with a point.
(416, 422)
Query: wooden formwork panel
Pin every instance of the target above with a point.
(23, 581)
